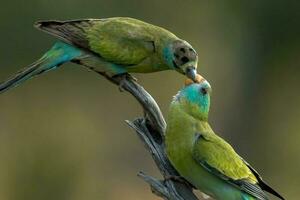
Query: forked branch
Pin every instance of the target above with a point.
(150, 128)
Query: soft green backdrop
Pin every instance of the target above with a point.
(63, 136)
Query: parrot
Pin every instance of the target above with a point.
(201, 157)
(111, 46)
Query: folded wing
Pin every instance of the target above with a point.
(123, 41)
(220, 159)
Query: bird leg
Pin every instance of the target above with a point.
(132, 78)
(124, 77)
(118, 79)
(179, 179)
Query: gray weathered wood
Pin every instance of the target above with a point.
(150, 130)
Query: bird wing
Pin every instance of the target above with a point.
(220, 159)
(122, 41)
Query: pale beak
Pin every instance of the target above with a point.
(191, 73)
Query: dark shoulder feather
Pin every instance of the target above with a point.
(73, 31)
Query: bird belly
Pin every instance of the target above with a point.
(148, 65)
(98, 64)
(203, 180)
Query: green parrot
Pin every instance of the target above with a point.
(112, 46)
(203, 158)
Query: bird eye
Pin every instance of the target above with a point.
(203, 91)
(184, 59)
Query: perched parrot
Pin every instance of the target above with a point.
(203, 158)
(112, 46)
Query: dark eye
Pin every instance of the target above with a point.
(203, 91)
(184, 60)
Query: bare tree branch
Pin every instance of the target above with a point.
(150, 130)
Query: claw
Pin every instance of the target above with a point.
(179, 179)
(123, 78)
(121, 85)
(130, 77)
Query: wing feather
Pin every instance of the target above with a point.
(72, 32)
(122, 41)
(219, 158)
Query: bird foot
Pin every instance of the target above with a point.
(123, 78)
(130, 77)
(179, 179)
(121, 86)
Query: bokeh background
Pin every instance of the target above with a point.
(63, 136)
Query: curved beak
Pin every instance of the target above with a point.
(191, 73)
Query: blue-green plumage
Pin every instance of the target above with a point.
(57, 55)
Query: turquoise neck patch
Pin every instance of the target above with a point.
(168, 56)
(196, 103)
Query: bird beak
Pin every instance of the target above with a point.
(191, 73)
(198, 79)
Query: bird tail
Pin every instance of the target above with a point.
(60, 53)
(267, 188)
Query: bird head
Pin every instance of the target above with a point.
(183, 58)
(194, 98)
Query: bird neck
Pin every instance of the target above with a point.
(180, 119)
(164, 48)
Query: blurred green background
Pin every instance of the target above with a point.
(63, 136)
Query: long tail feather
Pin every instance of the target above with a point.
(20, 76)
(267, 188)
(57, 55)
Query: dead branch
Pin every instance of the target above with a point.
(150, 128)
